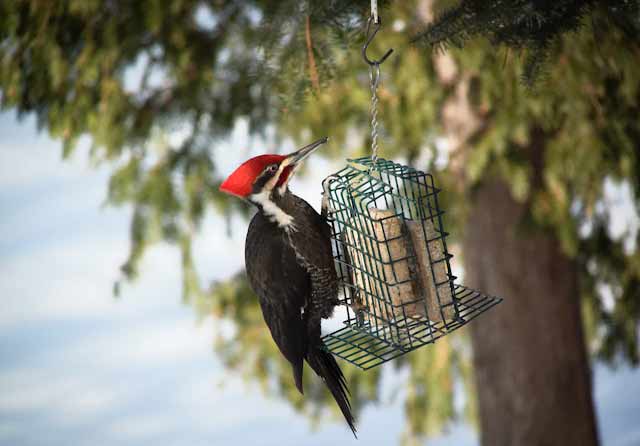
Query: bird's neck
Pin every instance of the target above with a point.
(274, 207)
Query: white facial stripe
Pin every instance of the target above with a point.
(274, 180)
(271, 210)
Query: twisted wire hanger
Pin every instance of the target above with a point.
(374, 77)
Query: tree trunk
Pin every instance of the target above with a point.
(532, 372)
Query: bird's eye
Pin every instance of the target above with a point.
(272, 168)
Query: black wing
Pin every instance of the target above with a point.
(282, 286)
(313, 249)
(312, 245)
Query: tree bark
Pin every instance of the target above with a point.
(532, 372)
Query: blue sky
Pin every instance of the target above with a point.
(80, 367)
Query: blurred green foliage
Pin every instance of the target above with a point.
(536, 26)
(199, 66)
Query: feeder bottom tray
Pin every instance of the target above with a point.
(356, 345)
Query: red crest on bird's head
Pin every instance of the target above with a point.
(240, 182)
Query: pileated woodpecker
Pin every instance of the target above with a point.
(290, 266)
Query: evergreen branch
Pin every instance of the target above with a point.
(525, 25)
(313, 69)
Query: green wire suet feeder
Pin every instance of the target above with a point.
(392, 261)
(390, 252)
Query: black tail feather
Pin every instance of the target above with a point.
(297, 376)
(325, 365)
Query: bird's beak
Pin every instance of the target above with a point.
(301, 154)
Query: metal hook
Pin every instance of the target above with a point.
(368, 41)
